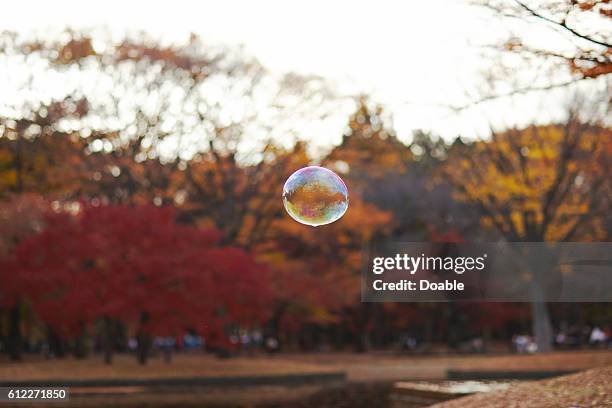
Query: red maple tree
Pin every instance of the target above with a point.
(138, 266)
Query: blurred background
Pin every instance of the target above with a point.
(143, 150)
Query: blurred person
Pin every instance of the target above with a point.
(258, 338)
(520, 343)
(272, 345)
(409, 344)
(598, 337)
(532, 346)
(192, 342)
(132, 344)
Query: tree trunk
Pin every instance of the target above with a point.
(3, 338)
(379, 326)
(56, 344)
(144, 346)
(81, 349)
(543, 273)
(363, 336)
(107, 340)
(15, 341)
(18, 162)
(144, 340)
(455, 331)
(275, 320)
(542, 328)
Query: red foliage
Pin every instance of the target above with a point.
(452, 236)
(124, 261)
(495, 315)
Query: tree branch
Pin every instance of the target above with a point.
(518, 91)
(563, 25)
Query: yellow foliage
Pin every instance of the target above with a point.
(540, 183)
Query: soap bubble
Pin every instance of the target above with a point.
(315, 196)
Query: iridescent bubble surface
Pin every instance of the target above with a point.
(315, 196)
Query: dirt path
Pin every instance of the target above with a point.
(374, 367)
(359, 367)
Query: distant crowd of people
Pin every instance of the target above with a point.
(247, 342)
(575, 337)
(571, 338)
(251, 342)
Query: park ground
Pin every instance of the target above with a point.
(588, 389)
(369, 378)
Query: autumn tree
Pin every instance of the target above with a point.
(541, 183)
(135, 265)
(370, 150)
(38, 156)
(21, 215)
(317, 270)
(577, 47)
(197, 125)
(241, 200)
(368, 157)
(578, 22)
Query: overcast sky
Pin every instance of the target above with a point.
(413, 56)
